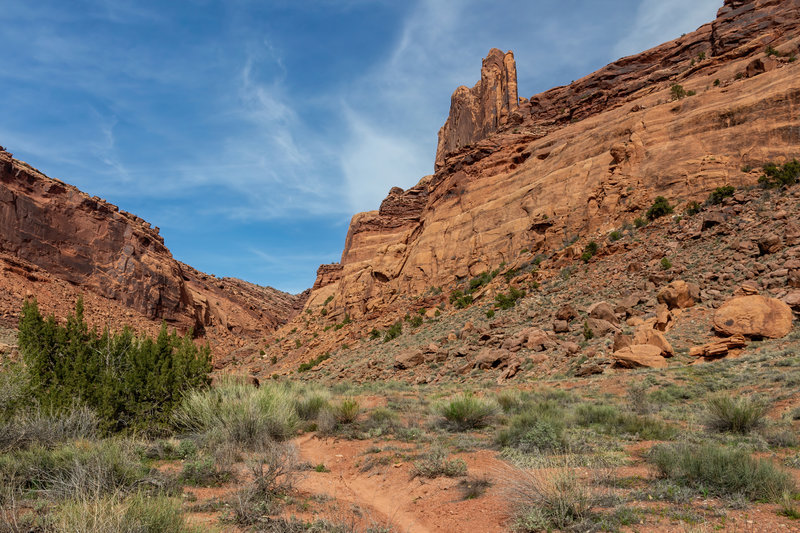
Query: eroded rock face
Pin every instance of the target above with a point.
(478, 112)
(586, 159)
(52, 232)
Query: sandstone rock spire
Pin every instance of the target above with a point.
(475, 113)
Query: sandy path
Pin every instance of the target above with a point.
(390, 495)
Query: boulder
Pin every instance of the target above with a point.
(621, 341)
(664, 319)
(560, 326)
(647, 335)
(492, 358)
(566, 312)
(600, 327)
(712, 219)
(639, 356)
(538, 340)
(588, 369)
(571, 347)
(603, 311)
(769, 244)
(792, 300)
(409, 359)
(754, 316)
(679, 294)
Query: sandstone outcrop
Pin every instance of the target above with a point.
(719, 348)
(639, 356)
(478, 112)
(580, 160)
(754, 316)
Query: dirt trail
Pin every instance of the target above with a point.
(388, 493)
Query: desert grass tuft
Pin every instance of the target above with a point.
(550, 498)
(720, 471)
(116, 514)
(240, 413)
(466, 411)
(436, 464)
(735, 415)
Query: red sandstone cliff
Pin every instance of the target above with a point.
(478, 112)
(58, 242)
(580, 159)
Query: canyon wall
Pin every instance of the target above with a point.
(54, 234)
(578, 161)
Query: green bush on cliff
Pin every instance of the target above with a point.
(131, 382)
(659, 208)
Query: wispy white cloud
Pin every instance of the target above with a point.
(658, 21)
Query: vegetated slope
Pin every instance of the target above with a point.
(58, 242)
(704, 111)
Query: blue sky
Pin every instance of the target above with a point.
(251, 131)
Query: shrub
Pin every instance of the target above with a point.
(588, 334)
(490, 313)
(780, 176)
(614, 235)
(346, 411)
(394, 331)
(74, 470)
(466, 411)
(38, 427)
(128, 381)
(678, 92)
(308, 365)
(435, 464)
(507, 301)
(639, 222)
(459, 299)
(415, 321)
(693, 208)
(310, 402)
(666, 264)
(239, 413)
(719, 194)
(374, 334)
(113, 514)
(611, 421)
(539, 428)
(273, 470)
(739, 415)
(659, 208)
(720, 471)
(204, 472)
